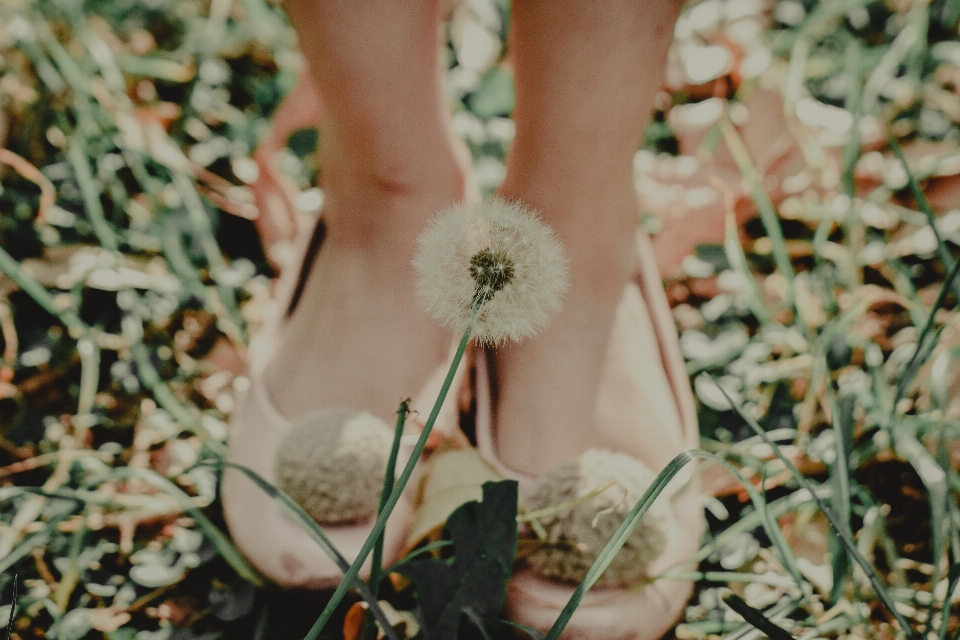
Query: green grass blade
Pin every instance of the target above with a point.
(835, 522)
(773, 530)
(200, 221)
(425, 549)
(314, 530)
(853, 68)
(39, 294)
(756, 618)
(753, 520)
(169, 402)
(606, 555)
(220, 540)
(376, 562)
(782, 609)
(25, 547)
(840, 474)
(738, 260)
(942, 251)
(934, 478)
(381, 521)
(77, 155)
(768, 214)
(633, 520)
(954, 579)
(925, 343)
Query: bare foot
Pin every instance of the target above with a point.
(594, 377)
(358, 336)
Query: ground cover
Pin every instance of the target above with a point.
(817, 319)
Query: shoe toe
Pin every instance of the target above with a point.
(613, 613)
(272, 540)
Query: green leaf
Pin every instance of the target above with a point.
(756, 618)
(486, 530)
(435, 580)
(485, 543)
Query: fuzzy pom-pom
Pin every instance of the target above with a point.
(332, 463)
(575, 536)
(496, 257)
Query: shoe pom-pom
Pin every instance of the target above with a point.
(576, 534)
(332, 463)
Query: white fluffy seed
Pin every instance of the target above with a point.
(500, 228)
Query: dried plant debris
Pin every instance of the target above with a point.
(820, 306)
(129, 269)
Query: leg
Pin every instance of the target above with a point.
(279, 219)
(357, 337)
(388, 165)
(586, 75)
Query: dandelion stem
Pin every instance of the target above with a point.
(394, 497)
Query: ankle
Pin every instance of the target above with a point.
(433, 165)
(369, 207)
(597, 233)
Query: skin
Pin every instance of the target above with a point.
(586, 76)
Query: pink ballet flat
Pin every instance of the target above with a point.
(611, 612)
(273, 542)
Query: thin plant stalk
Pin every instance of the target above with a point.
(616, 542)
(224, 545)
(77, 155)
(775, 509)
(835, 521)
(924, 346)
(394, 497)
(841, 474)
(942, 251)
(376, 562)
(947, 602)
(314, 530)
(767, 519)
(768, 214)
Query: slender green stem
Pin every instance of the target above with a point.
(91, 197)
(942, 251)
(768, 213)
(312, 529)
(924, 347)
(425, 549)
(376, 563)
(12, 269)
(169, 402)
(225, 546)
(381, 521)
(203, 229)
(832, 517)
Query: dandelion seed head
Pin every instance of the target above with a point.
(332, 463)
(576, 536)
(497, 256)
(491, 272)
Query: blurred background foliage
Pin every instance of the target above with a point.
(133, 273)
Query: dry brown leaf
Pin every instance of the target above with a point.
(454, 477)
